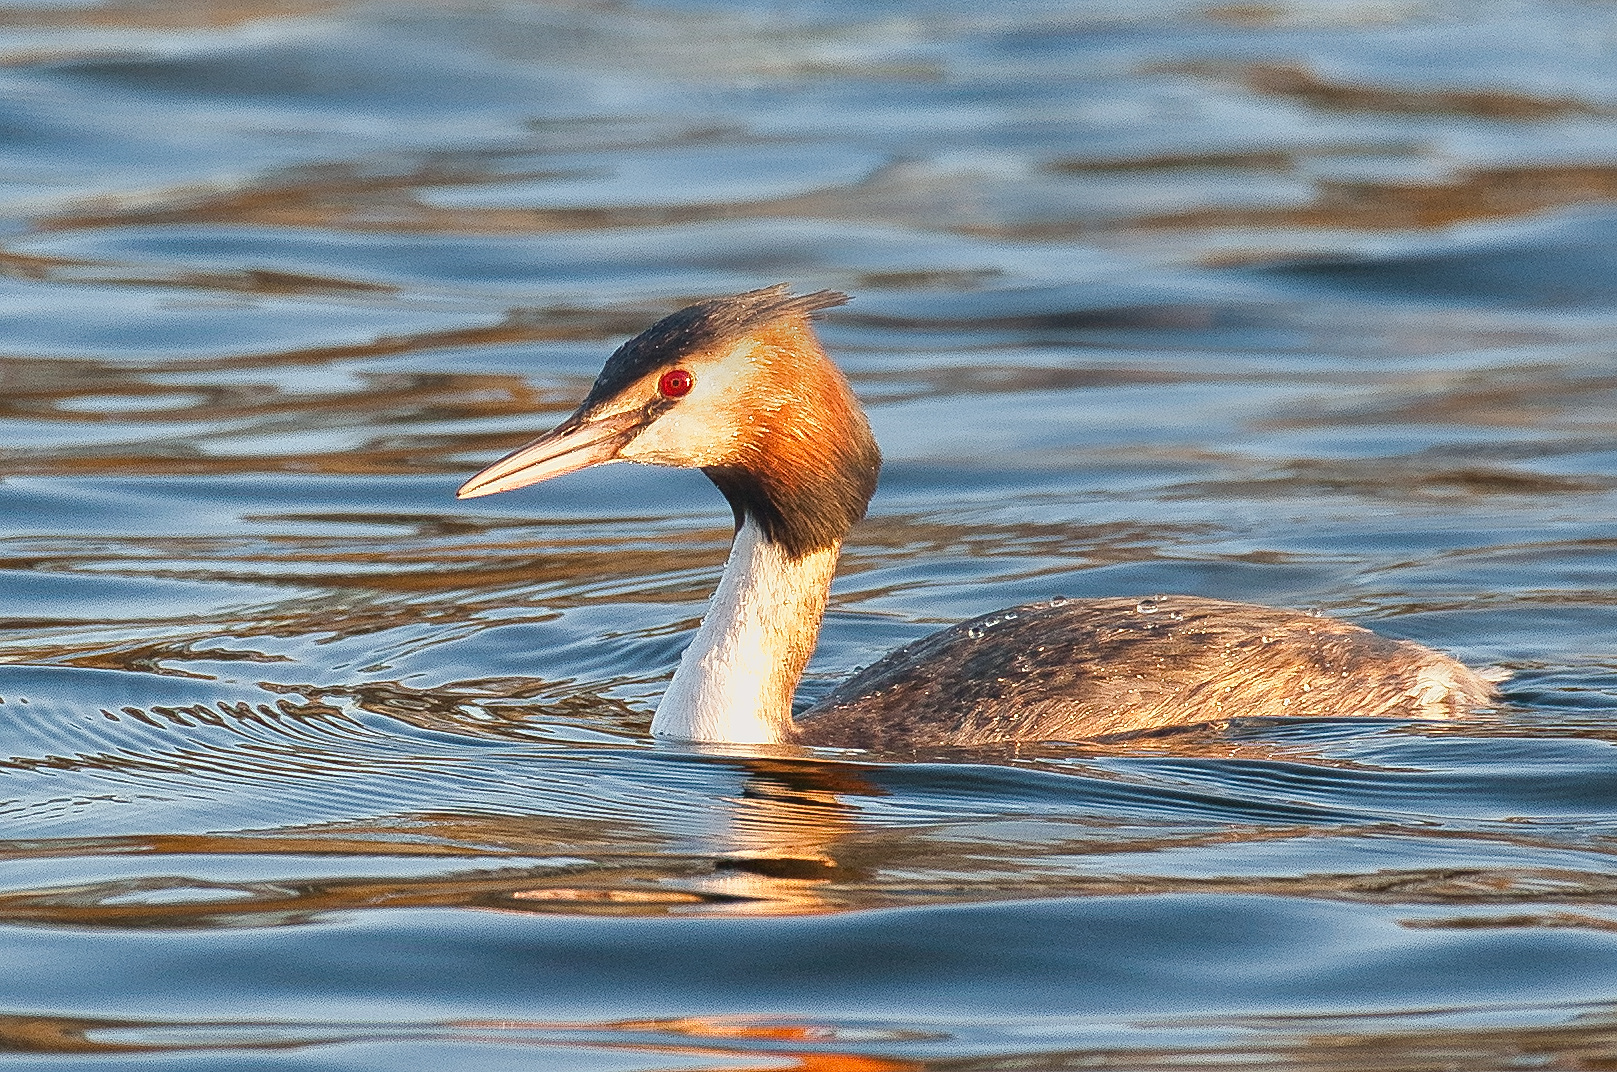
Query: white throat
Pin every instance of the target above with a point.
(735, 682)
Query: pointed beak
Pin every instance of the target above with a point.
(576, 443)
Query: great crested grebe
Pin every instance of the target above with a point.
(740, 388)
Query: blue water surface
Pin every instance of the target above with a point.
(306, 765)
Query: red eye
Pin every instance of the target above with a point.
(676, 383)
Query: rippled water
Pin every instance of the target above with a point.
(310, 766)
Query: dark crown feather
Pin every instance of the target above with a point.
(708, 325)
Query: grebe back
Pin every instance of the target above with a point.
(740, 388)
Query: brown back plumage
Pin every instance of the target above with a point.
(1077, 669)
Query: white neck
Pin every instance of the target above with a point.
(735, 682)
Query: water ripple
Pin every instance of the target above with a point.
(302, 761)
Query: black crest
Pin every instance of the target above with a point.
(707, 325)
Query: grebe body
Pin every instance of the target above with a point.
(740, 388)
(1071, 669)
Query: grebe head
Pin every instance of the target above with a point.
(740, 388)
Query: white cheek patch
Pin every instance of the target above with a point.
(704, 427)
(689, 434)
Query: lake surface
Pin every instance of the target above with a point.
(308, 766)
